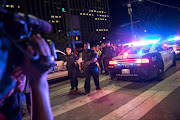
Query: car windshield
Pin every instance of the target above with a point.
(136, 50)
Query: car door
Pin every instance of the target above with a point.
(164, 55)
(60, 58)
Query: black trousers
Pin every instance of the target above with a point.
(72, 73)
(106, 63)
(94, 72)
(100, 64)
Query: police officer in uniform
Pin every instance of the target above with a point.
(72, 66)
(89, 59)
(108, 53)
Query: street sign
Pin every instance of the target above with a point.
(76, 32)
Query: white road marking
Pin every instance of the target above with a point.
(65, 89)
(143, 103)
(72, 104)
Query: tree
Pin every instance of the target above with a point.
(59, 40)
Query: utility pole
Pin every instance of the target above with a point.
(131, 18)
(178, 21)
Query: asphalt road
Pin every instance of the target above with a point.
(119, 99)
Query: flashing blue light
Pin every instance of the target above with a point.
(131, 64)
(140, 52)
(118, 64)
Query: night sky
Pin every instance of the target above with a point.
(156, 19)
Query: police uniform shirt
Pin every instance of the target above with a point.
(71, 59)
(89, 55)
(108, 51)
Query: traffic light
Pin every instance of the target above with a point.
(63, 10)
(77, 38)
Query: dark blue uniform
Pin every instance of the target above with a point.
(11, 108)
(92, 69)
(108, 53)
(72, 69)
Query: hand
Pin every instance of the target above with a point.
(20, 79)
(80, 68)
(36, 78)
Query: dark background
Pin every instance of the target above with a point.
(155, 19)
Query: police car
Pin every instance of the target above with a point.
(54, 73)
(142, 62)
(175, 46)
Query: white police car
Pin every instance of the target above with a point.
(142, 62)
(175, 46)
(56, 72)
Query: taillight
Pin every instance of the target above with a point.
(145, 60)
(142, 61)
(113, 62)
(178, 47)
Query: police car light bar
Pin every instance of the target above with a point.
(146, 42)
(174, 38)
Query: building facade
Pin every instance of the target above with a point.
(80, 20)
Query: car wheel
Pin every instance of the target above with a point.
(174, 60)
(112, 75)
(160, 75)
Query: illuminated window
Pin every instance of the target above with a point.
(52, 16)
(105, 19)
(56, 16)
(87, 14)
(84, 13)
(18, 6)
(7, 5)
(81, 14)
(57, 21)
(12, 6)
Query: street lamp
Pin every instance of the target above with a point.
(130, 13)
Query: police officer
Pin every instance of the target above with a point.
(72, 66)
(108, 53)
(89, 59)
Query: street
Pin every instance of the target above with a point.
(119, 99)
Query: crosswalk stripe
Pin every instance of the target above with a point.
(143, 103)
(72, 104)
(67, 87)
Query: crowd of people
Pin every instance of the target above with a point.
(94, 59)
(30, 76)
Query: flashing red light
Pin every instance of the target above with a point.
(166, 45)
(113, 62)
(125, 57)
(125, 54)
